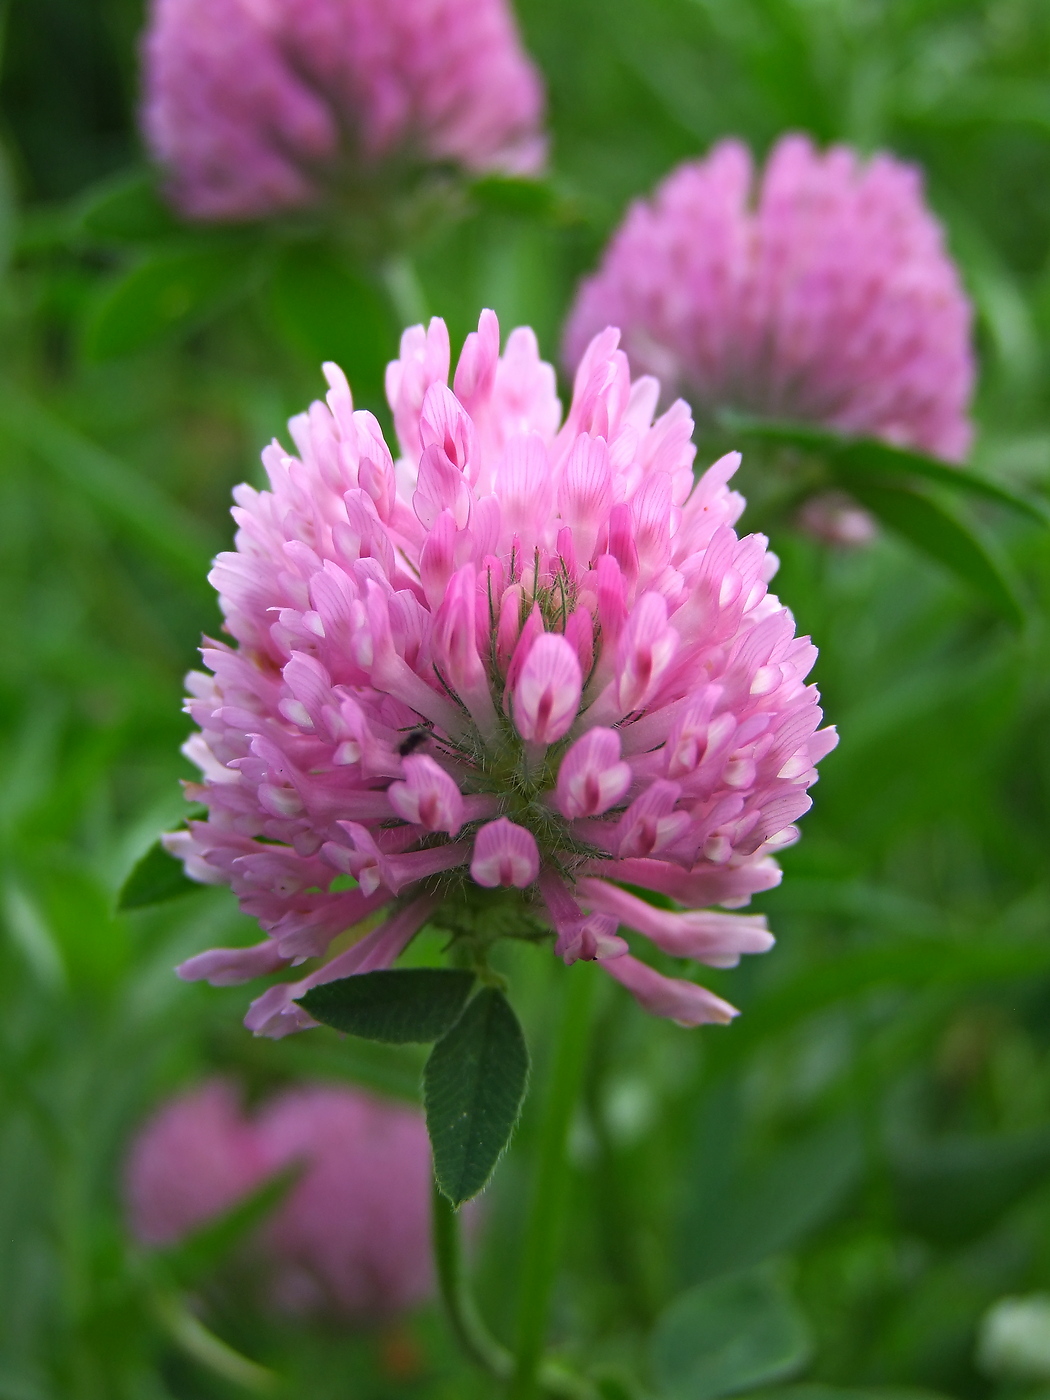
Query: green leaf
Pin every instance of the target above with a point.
(126, 209)
(818, 1391)
(952, 541)
(508, 194)
(326, 310)
(171, 291)
(853, 461)
(156, 878)
(473, 1087)
(123, 495)
(725, 1337)
(397, 1005)
(746, 1213)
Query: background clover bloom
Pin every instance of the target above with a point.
(255, 106)
(496, 681)
(351, 1237)
(820, 291)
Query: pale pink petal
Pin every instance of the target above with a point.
(592, 777)
(504, 854)
(428, 796)
(670, 997)
(547, 694)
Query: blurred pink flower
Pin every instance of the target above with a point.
(820, 291)
(352, 1236)
(520, 667)
(194, 1160)
(255, 106)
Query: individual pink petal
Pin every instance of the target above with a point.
(476, 370)
(228, 967)
(709, 936)
(525, 486)
(644, 653)
(504, 854)
(455, 647)
(585, 492)
(428, 796)
(670, 997)
(547, 694)
(580, 936)
(651, 823)
(592, 777)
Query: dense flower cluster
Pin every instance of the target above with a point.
(254, 106)
(494, 683)
(825, 294)
(351, 1237)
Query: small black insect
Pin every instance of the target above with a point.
(412, 741)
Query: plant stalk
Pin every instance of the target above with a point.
(470, 1331)
(542, 1245)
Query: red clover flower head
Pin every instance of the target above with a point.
(495, 683)
(820, 291)
(351, 1237)
(256, 106)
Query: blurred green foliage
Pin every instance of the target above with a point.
(870, 1142)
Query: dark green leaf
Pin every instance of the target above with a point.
(952, 541)
(127, 209)
(173, 290)
(397, 1005)
(725, 1337)
(326, 310)
(857, 460)
(156, 878)
(473, 1088)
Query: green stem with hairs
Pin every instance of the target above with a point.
(470, 1331)
(543, 1235)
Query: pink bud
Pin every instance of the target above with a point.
(375, 469)
(509, 627)
(505, 854)
(456, 650)
(444, 424)
(532, 629)
(592, 778)
(579, 633)
(547, 695)
(428, 796)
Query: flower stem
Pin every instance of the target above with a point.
(470, 1331)
(550, 1189)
